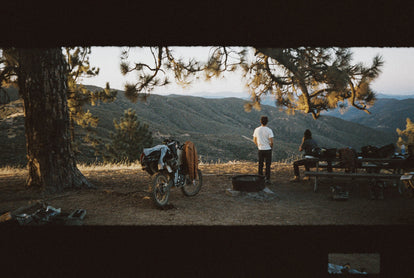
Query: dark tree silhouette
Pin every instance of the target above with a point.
(42, 84)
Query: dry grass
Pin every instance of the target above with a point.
(11, 170)
(208, 169)
(216, 168)
(109, 166)
(240, 168)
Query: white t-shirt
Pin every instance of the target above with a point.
(263, 134)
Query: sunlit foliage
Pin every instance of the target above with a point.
(129, 139)
(8, 76)
(306, 79)
(77, 59)
(311, 79)
(406, 136)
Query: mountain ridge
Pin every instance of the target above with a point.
(386, 115)
(220, 128)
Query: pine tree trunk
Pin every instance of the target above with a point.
(42, 83)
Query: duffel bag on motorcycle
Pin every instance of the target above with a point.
(152, 157)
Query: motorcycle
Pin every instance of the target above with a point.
(167, 164)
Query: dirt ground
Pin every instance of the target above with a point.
(122, 198)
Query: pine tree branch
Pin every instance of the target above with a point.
(353, 98)
(158, 63)
(78, 72)
(316, 93)
(275, 79)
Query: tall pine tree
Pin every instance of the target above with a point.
(129, 139)
(42, 79)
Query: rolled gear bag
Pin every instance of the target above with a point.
(151, 157)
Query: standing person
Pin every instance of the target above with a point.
(263, 139)
(308, 145)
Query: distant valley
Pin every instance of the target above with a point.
(386, 115)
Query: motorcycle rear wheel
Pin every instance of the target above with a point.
(160, 189)
(191, 188)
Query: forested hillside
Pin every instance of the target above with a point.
(220, 128)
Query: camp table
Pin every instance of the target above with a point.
(365, 168)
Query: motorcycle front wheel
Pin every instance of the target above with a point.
(192, 187)
(160, 189)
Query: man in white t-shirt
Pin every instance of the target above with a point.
(263, 138)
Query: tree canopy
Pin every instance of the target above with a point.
(307, 79)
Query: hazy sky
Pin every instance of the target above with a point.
(396, 76)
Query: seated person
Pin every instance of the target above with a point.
(308, 145)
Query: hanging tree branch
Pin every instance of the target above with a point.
(323, 76)
(306, 79)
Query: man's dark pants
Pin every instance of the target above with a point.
(265, 156)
